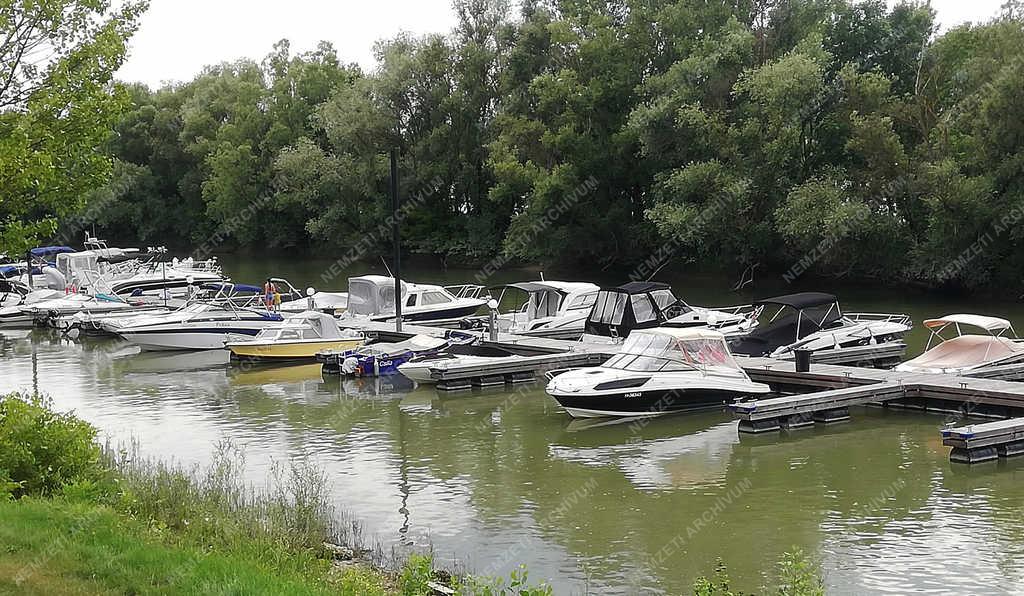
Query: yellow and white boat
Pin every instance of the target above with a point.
(299, 337)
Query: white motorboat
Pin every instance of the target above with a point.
(963, 352)
(813, 321)
(299, 337)
(420, 370)
(657, 371)
(373, 297)
(644, 305)
(49, 311)
(551, 309)
(198, 326)
(16, 297)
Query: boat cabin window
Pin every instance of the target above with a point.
(544, 304)
(434, 297)
(582, 302)
(663, 298)
(643, 308)
(609, 308)
(411, 301)
(289, 334)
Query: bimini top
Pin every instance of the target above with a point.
(990, 324)
(45, 251)
(638, 287)
(373, 294)
(801, 301)
(562, 287)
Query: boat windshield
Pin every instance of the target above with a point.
(653, 352)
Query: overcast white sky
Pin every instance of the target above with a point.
(178, 37)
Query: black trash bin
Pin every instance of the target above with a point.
(803, 360)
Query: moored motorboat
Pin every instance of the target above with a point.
(373, 297)
(964, 352)
(380, 359)
(299, 337)
(657, 371)
(619, 310)
(199, 326)
(555, 309)
(420, 368)
(814, 321)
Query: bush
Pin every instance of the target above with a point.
(42, 451)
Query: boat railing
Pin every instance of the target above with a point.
(468, 291)
(551, 374)
(871, 317)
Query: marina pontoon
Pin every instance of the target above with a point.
(963, 352)
(657, 371)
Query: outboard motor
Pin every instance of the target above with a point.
(349, 365)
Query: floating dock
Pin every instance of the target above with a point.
(990, 393)
(985, 442)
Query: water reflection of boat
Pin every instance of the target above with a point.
(269, 374)
(165, 362)
(377, 386)
(650, 458)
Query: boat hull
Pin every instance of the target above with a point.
(284, 351)
(636, 403)
(186, 339)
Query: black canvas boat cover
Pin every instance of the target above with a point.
(801, 301)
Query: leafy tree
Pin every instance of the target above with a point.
(58, 104)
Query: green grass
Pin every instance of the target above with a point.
(56, 546)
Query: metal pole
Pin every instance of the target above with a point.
(28, 263)
(396, 239)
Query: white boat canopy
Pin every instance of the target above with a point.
(324, 325)
(664, 349)
(990, 324)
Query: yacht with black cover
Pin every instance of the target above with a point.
(814, 321)
(619, 310)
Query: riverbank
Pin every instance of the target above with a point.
(76, 518)
(71, 546)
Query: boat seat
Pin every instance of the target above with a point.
(967, 350)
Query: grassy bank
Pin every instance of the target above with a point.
(64, 546)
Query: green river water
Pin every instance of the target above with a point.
(495, 478)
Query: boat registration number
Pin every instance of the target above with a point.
(635, 394)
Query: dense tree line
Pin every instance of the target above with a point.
(843, 138)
